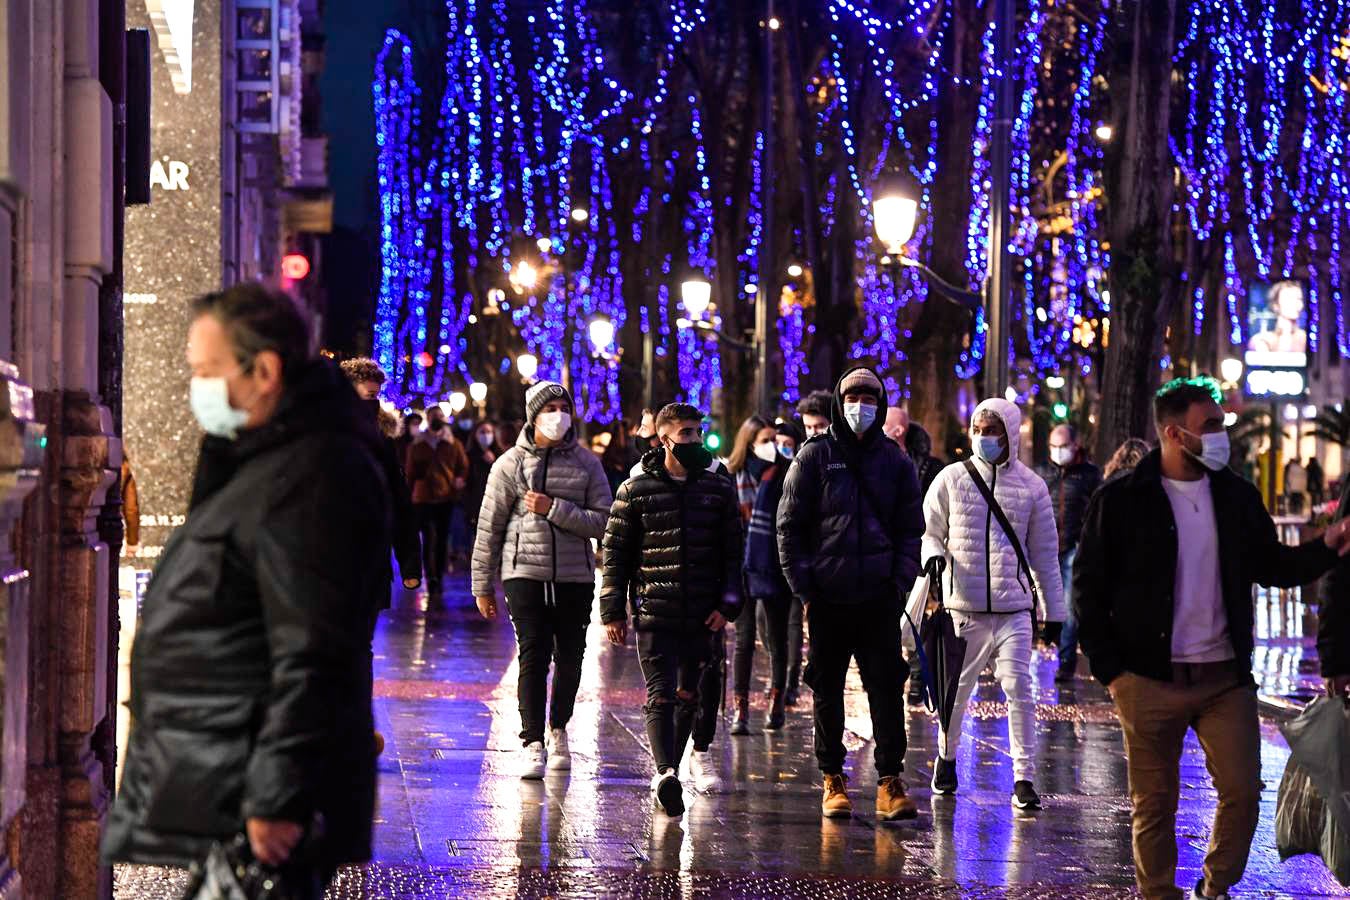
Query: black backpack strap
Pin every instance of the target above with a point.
(1002, 517)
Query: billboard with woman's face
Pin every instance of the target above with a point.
(1277, 319)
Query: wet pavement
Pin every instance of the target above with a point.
(1285, 662)
(454, 820)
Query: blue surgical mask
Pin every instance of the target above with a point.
(786, 452)
(210, 402)
(860, 416)
(988, 447)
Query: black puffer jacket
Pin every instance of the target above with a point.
(677, 544)
(1071, 488)
(845, 542)
(250, 674)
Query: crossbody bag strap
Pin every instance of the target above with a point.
(1003, 523)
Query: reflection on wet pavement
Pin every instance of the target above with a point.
(454, 820)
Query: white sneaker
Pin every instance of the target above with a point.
(703, 772)
(667, 795)
(1196, 894)
(533, 761)
(560, 755)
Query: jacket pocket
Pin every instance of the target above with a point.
(194, 780)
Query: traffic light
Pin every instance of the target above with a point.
(713, 441)
(1061, 411)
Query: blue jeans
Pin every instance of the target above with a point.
(1068, 638)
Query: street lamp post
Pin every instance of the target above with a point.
(998, 287)
(894, 215)
(478, 392)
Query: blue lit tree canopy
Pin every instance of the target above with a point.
(586, 156)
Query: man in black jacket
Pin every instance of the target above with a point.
(1163, 592)
(674, 536)
(1072, 481)
(1333, 619)
(250, 676)
(367, 378)
(849, 525)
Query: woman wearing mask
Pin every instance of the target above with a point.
(546, 499)
(754, 430)
(767, 588)
(752, 456)
(483, 452)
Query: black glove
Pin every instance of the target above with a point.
(935, 567)
(1050, 633)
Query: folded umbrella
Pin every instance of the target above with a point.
(945, 652)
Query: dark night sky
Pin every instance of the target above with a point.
(355, 31)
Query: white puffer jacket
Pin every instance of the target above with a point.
(982, 571)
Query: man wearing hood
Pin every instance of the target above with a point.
(546, 499)
(674, 544)
(250, 675)
(849, 526)
(997, 582)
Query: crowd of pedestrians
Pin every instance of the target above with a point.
(251, 671)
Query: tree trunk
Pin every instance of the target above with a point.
(1138, 182)
(939, 336)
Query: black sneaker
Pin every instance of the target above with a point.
(944, 776)
(667, 794)
(1024, 796)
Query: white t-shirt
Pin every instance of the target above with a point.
(1199, 621)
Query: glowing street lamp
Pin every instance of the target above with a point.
(794, 271)
(1231, 370)
(580, 214)
(527, 364)
(1105, 132)
(544, 244)
(895, 215)
(524, 276)
(601, 331)
(696, 294)
(478, 394)
(457, 402)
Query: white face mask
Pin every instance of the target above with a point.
(1061, 456)
(860, 416)
(210, 402)
(767, 451)
(553, 425)
(1214, 449)
(987, 447)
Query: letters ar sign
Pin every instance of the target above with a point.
(169, 174)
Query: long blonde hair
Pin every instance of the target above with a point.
(1126, 457)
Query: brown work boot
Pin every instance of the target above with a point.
(892, 803)
(835, 803)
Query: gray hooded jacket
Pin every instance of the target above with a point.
(521, 544)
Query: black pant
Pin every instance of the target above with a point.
(674, 662)
(550, 621)
(870, 633)
(782, 638)
(433, 520)
(710, 695)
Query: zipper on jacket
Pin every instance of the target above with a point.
(552, 532)
(681, 491)
(858, 518)
(989, 545)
